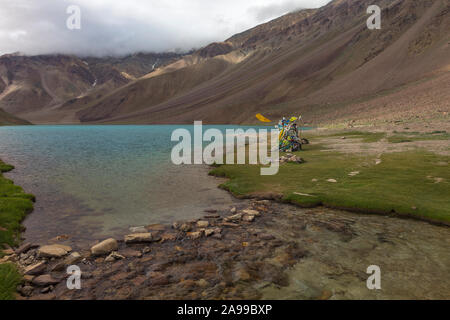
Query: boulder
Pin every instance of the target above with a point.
(54, 251)
(248, 218)
(138, 237)
(104, 247)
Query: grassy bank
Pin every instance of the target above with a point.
(414, 183)
(14, 205)
(9, 279)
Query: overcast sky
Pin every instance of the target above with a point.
(117, 27)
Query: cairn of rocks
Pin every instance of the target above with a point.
(291, 158)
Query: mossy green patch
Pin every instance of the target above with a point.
(9, 279)
(417, 136)
(14, 205)
(415, 183)
(365, 136)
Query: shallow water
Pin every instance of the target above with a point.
(93, 181)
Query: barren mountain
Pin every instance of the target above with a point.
(323, 63)
(7, 119)
(34, 86)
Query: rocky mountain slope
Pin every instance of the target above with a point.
(323, 63)
(33, 86)
(7, 119)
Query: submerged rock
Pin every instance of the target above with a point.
(138, 237)
(113, 256)
(104, 247)
(140, 229)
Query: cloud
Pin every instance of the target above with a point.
(111, 27)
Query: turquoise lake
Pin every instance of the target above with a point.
(97, 181)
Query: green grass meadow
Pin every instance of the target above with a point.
(414, 183)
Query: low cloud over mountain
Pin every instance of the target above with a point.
(121, 27)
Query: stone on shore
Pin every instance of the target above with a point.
(72, 258)
(130, 253)
(8, 251)
(54, 251)
(235, 217)
(194, 235)
(25, 247)
(26, 291)
(113, 256)
(185, 227)
(35, 269)
(104, 247)
(202, 224)
(251, 212)
(45, 280)
(138, 237)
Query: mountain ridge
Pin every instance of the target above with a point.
(323, 63)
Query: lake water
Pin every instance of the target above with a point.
(96, 181)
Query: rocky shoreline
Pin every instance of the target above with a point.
(161, 262)
(260, 249)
